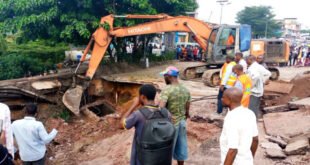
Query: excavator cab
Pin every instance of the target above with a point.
(224, 40)
(227, 40)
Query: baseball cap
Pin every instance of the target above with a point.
(170, 71)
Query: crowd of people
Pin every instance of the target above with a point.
(160, 127)
(189, 53)
(240, 92)
(299, 56)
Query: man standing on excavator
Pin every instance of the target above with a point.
(227, 80)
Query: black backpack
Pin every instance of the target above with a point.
(5, 157)
(155, 145)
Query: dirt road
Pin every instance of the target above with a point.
(89, 143)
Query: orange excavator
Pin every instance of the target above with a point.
(102, 37)
(211, 38)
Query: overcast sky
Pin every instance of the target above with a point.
(209, 10)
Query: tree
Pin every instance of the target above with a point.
(305, 31)
(261, 19)
(73, 21)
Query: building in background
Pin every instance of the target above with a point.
(291, 28)
(171, 39)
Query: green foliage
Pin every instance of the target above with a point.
(32, 58)
(106, 26)
(37, 25)
(259, 17)
(73, 21)
(65, 115)
(3, 45)
(168, 56)
(305, 31)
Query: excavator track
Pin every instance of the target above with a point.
(192, 72)
(211, 77)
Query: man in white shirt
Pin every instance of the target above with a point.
(6, 132)
(259, 76)
(239, 138)
(32, 137)
(239, 60)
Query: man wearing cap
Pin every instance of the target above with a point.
(228, 79)
(176, 98)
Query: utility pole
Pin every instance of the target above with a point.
(222, 3)
(266, 28)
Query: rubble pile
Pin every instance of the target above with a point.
(287, 120)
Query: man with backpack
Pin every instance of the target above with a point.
(177, 99)
(154, 132)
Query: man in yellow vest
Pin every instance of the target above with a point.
(228, 79)
(244, 83)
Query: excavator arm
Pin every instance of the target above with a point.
(102, 37)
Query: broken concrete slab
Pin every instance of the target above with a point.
(279, 87)
(287, 124)
(278, 141)
(43, 85)
(216, 119)
(271, 96)
(275, 153)
(269, 145)
(278, 108)
(303, 103)
(297, 146)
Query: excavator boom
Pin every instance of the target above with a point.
(165, 23)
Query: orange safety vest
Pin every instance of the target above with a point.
(246, 82)
(232, 78)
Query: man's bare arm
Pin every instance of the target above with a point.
(134, 106)
(162, 104)
(254, 145)
(230, 157)
(2, 138)
(187, 106)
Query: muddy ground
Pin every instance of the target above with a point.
(86, 142)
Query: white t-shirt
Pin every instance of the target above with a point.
(5, 116)
(238, 131)
(259, 75)
(244, 65)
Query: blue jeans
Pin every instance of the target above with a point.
(180, 152)
(219, 101)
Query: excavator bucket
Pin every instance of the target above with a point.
(72, 99)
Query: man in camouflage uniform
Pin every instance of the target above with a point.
(176, 98)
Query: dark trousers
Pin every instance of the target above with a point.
(219, 101)
(255, 106)
(38, 162)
